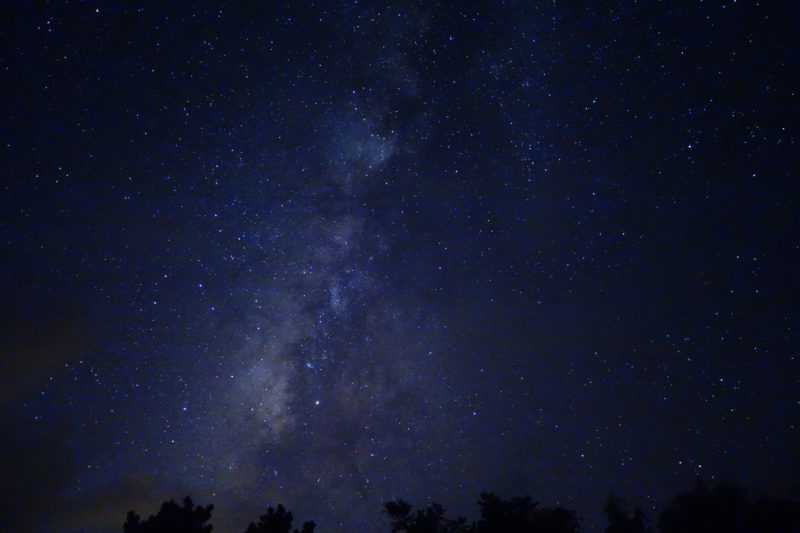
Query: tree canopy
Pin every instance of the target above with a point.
(724, 508)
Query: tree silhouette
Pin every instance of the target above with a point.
(704, 511)
(722, 509)
(620, 521)
(522, 515)
(514, 516)
(773, 515)
(517, 515)
(431, 519)
(726, 509)
(278, 521)
(554, 520)
(399, 513)
(172, 518)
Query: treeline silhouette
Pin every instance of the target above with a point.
(724, 508)
(191, 518)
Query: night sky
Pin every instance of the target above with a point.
(329, 254)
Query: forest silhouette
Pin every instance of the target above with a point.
(725, 508)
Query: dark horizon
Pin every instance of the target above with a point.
(704, 508)
(334, 254)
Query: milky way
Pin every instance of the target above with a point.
(327, 255)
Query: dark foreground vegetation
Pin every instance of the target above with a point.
(721, 509)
